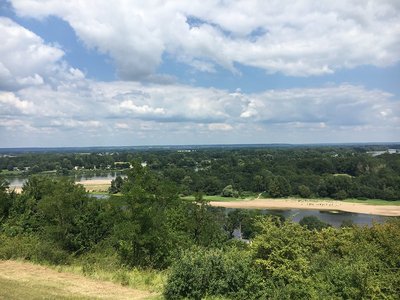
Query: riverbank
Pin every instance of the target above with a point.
(91, 185)
(96, 185)
(328, 205)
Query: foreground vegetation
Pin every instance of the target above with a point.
(149, 238)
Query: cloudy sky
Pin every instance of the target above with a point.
(97, 73)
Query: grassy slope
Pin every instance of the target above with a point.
(15, 289)
(24, 280)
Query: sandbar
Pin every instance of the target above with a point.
(329, 205)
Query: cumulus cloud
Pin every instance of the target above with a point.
(24, 57)
(140, 109)
(300, 39)
(10, 104)
(153, 113)
(220, 126)
(26, 60)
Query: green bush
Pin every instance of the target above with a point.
(200, 273)
(312, 222)
(32, 248)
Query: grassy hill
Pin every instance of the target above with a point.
(24, 280)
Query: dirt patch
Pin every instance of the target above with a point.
(382, 210)
(61, 284)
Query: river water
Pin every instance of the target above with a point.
(334, 218)
(18, 182)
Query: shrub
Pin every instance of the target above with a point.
(200, 273)
(32, 248)
(304, 191)
(312, 222)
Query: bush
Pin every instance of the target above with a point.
(304, 191)
(340, 195)
(229, 191)
(312, 222)
(200, 273)
(32, 248)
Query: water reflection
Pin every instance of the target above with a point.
(18, 182)
(334, 218)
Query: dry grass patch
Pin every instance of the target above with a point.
(23, 280)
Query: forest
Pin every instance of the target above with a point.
(310, 172)
(148, 227)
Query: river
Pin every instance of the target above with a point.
(18, 182)
(333, 218)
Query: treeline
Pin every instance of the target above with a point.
(332, 172)
(149, 226)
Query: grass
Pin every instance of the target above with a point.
(24, 280)
(12, 289)
(150, 280)
(106, 266)
(6, 172)
(98, 193)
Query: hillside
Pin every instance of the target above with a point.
(23, 280)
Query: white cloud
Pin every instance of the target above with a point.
(302, 38)
(24, 57)
(220, 126)
(71, 123)
(122, 126)
(111, 112)
(140, 110)
(11, 104)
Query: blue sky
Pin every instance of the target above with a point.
(86, 73)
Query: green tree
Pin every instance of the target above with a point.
(143, 237)
(116, 185)
(229, 191)
(304, 191)
(283, 252)
(278, 186)
(312, 222)
(6, 199)
(60, 207)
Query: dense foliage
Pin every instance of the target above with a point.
(148, 225)
(335, 172)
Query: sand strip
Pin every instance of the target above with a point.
(95, 182)
(382, 210)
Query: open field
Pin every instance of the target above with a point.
(293, 203)
(23, 280)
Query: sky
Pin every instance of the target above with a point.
(127, 73)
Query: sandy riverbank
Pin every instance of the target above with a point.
(96, 185)
(91, 185)
(382, 210)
